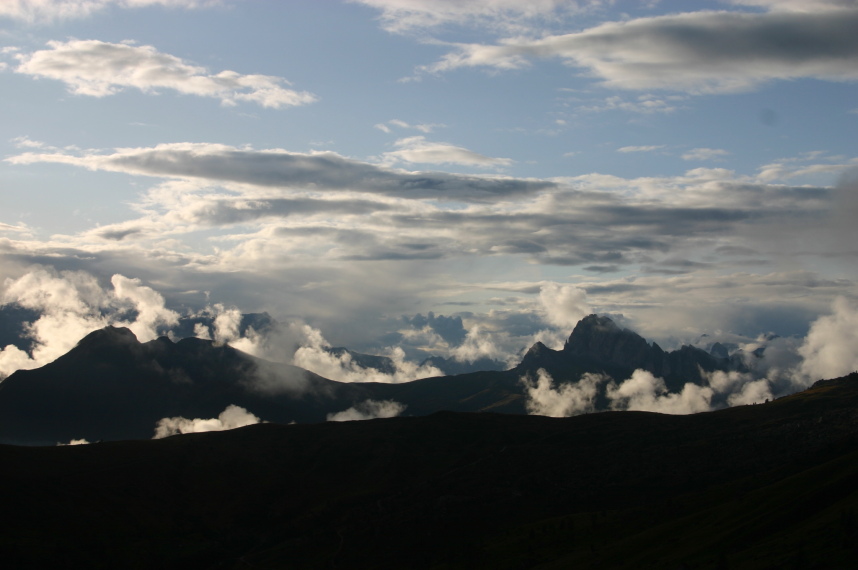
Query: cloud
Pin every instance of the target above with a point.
(71, 304)
(313, 354)
(275, 168)
(563, 305)
(569, 399)
(705, 154)
(831, 347)
(232, 417)
(646, 148)
(422, 127)
(419, 150)
(642, 392)
(75, 442)
(643, 104)
(149, 305)
(98, 69)
(369, 410)
(697, 52)
(403, 16)
(50, 10)
(645, 392)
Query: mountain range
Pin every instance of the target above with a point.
(112, 387)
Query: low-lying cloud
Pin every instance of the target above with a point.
(232, 417)
(369, 410)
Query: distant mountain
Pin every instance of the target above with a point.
(597, 344)
(451, 366)
(765, 486)
(111, 386)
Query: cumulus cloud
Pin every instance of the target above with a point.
(369, 410)
(687, 52)
(642, 391)
(830, 349)
(315, 355)
(563, 305)
(569, 399)
(98, 69)
(645, 392)
(49, 10)
(232, 417)
(419, 150)
(71, 305)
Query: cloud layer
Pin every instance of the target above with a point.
(696, 52)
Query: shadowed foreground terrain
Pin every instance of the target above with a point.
(765, 486)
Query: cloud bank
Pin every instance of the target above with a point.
(698, 52)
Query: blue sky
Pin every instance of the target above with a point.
(690, 166)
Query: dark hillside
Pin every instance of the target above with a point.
(765, 486)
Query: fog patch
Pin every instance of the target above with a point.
(369, 410)
(232, 417)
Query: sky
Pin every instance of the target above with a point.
(432, 176)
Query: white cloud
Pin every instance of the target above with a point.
(643, 104)
(831, 347)
(313, 355)
(569, 399)
(75, 442)
(646, 148)
(49, 10)
(149, 304)
(419, 150)
(231, 418)
(705, 154)
(98, 69)
(686, 52)
(401, 16)
(422, 127)
(73, 304)
(563, 305)
(645, 392)
(369, 410)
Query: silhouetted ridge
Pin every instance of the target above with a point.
(598, 344)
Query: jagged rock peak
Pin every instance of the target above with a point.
(601, 338)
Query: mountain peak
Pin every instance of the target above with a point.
(599, 337)
(107, 336)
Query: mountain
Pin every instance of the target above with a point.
(111, 386)
(763, 486)
(598, 344)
